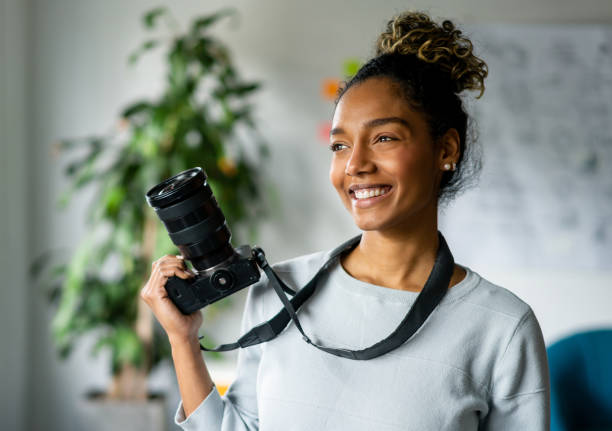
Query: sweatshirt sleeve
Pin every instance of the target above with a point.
(237, 410)
(520, 388)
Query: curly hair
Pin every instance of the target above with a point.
(432, 63)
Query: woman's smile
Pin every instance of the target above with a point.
(366, 196)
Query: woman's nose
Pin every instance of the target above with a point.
(360, 162)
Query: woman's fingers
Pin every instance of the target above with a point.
(163, 269)
(170, 265)
(169, 259)
(170, 269)
(155, 296)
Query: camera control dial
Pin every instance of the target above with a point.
(222, 279)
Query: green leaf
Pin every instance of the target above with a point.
(95, 149)
(127, 347)
(64, 320)
(136, 108)
(146, 46)
(101, 343)
(202, 23)
(163, 243)
(150, 17)
(83, 173)
(239, 90)
(113, 198)
(40, 262)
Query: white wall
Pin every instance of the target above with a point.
(77, 80)
(14, 316)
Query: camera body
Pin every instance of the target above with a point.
(196, 225)
(215, 283)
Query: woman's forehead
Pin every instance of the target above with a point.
(373, 99)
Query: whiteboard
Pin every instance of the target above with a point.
(545, 127)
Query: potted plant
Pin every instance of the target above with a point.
(195, 122)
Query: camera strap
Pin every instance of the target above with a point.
(430, 296)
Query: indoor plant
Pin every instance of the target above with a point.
(195, 122)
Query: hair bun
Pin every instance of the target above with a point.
(414, 33)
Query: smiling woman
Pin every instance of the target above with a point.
(387, 170)
(477, 362)
(379, 141)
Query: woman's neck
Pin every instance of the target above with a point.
(400, 258)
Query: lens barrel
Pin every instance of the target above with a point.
(189, 211)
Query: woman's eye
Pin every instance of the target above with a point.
(336, 147)
(385, 138)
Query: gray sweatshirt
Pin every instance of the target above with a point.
(477, 363)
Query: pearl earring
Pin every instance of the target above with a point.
(447, 166)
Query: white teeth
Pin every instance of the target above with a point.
(369, 193)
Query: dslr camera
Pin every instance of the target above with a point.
(187, 208)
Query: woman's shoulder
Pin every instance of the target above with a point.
(294, 272)
(492, 299)
(297, 271)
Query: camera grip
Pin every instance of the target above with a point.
(182, 294)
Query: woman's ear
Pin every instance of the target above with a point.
(449, 148)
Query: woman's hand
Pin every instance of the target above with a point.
(192, 375)
(179, 327)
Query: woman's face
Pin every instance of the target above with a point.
(385, 166)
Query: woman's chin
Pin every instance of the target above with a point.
(368, 224)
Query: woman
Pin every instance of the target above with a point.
(478, 362)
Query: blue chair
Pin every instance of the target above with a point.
(581, 381)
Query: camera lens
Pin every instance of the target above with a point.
(174, 185)
(189, 211)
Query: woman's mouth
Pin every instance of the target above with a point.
(365, 197)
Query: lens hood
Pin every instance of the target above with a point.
(176, 188)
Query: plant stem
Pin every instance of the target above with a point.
(131, 381)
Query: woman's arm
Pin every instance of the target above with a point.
(202, 408)
(193, 378)
(520, 388)
(237, 410)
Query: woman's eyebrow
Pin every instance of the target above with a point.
(382, 121)
(336, 131)
(373, 123)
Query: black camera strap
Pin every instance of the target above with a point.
(430, 296)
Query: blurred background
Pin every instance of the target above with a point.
(539, 223)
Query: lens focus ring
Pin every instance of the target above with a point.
(201, 230)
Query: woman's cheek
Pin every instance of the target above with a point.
(336, 173)
(337, 178)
